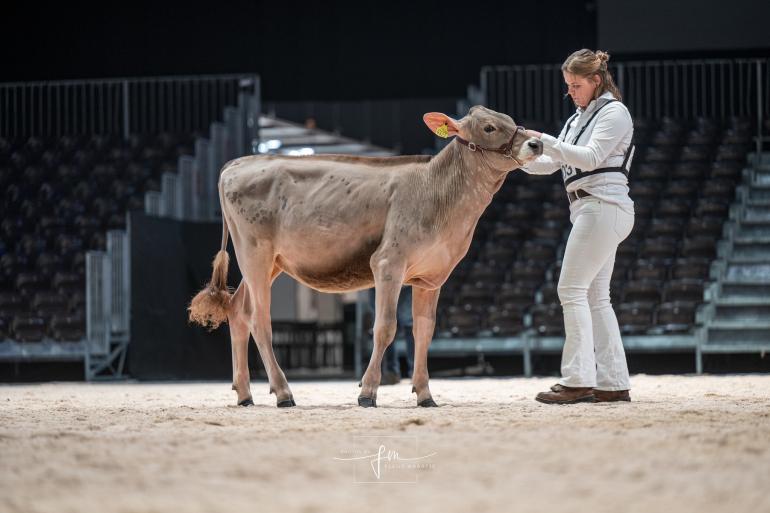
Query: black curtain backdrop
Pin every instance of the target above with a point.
(170, 262)
(303, 50)
(685, 28)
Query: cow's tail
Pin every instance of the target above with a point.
(210, 306)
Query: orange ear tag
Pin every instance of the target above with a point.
(443, 131)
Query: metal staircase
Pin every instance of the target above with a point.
(737, 318)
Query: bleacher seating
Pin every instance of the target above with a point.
(60, 197)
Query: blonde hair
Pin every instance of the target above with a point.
(586, 63)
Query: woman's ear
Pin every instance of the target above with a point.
(441, 124)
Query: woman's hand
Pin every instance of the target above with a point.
(532, 133)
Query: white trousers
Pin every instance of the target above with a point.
(593, 353)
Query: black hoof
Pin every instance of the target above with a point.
(246, 402)
(427, 403)
(288, 403)
(367, 402)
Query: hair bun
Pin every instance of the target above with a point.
(602, 56)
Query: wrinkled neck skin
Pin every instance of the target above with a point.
(461, 184)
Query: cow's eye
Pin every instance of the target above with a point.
(489, 129)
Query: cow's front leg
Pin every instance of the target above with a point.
(388, 278)
(424, 317)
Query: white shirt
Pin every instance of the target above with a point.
(603, 144)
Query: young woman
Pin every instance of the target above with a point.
(594, 154)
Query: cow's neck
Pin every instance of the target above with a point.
(462, 185)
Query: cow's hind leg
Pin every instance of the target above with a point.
(424, 317)
(238, 319)
(259, 282)
(388, 278)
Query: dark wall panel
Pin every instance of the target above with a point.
(303, 50)
(682, 26)
(170, 261)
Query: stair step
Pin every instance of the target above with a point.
(738, 331)
(759, 257)
(749, 271)
(742, 310)
(753, 229)
(757, 213)
(740, 239)
(744, 301)
(752, 251)
(755, 222)
(738, 346)
(759, 193)
(763, 325)
(757, 202)
(737, 289)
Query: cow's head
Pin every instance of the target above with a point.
(504, 144)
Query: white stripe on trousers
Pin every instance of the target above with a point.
(593, 354)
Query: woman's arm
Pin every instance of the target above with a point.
(612, 124)
(542, 165)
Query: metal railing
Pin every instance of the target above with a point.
(108, 288)
(119, 105)
(108, 306)
(97, 302)
(715, 88)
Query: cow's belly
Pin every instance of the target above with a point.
(331, 270)
(350, 271)
(343, 280)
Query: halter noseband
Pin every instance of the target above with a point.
(506, 150)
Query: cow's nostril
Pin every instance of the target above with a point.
(534, 144)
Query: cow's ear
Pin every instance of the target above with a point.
(441, 124)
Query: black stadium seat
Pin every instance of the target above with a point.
(27, 328)
(642, 291)
(514, 294)
(697, 268)
(505, 321)
(675, 317)
(463, 321)
(67, 328)
(684, 289)
(635, 318)
(650, 270)
(548, 320)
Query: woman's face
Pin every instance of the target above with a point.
(580, 88)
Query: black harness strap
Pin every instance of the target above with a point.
(582, 174)
(574, 141)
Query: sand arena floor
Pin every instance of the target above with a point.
(684, 444)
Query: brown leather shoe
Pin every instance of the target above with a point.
(604, 396)
(559, 394)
